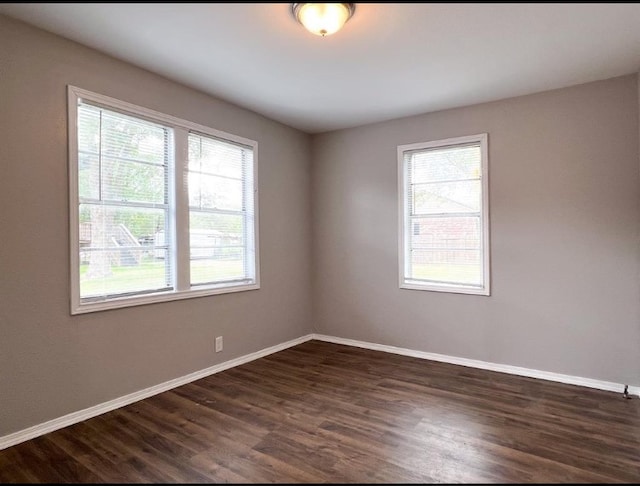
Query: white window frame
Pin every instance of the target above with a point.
(405, 226)
(179, 207)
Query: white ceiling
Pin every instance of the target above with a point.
(390, 60)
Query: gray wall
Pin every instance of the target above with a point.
(564, 202)
(52, 363)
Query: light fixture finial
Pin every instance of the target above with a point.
(323, 18)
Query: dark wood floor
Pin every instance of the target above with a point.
(323, 412)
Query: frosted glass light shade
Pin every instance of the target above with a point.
(323, 18)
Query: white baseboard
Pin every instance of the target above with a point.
(512, 370)
(87, 413)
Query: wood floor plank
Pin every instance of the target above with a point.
(321, 412)
(99, 464)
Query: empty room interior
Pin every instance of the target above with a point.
(319, 243)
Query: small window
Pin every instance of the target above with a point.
(444, 215)
(161, 208)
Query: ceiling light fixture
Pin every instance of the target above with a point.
(323, 18)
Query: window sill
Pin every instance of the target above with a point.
(453, 289)
(121, 302)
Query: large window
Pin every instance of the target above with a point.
(161, 208)
(444, 215)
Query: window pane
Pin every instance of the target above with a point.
(129, 271)
(215, 157)
(122, 250)
(89, 129)
(445, 164)
(447, 266)
(213, 192)
(88, 176)
(220, 268)
(132, 181)
(217, 247)
(447, 233)
(130, 138)
(446, 250)
(446, 197)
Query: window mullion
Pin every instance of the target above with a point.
(181, 210)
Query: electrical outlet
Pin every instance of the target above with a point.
(218, 344)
